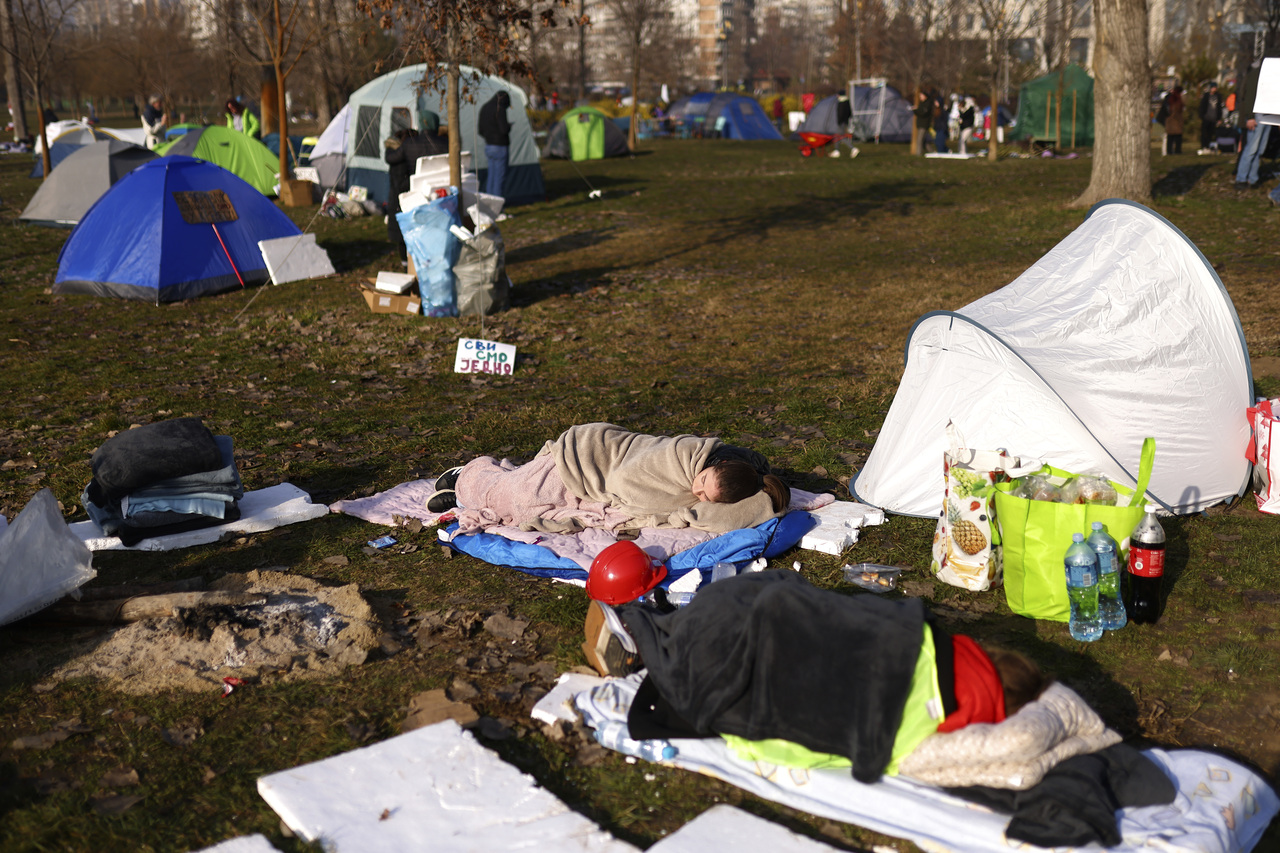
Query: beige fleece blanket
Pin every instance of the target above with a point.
(648, 477)
(1015, 753)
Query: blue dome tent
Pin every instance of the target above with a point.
(744, 118)
(172, 229)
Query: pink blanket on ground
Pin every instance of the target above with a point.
(409, 500)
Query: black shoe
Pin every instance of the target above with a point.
(449, 479)
(442, 501)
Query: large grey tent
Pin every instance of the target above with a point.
(81, 179)
(880, 113)
(396, 100)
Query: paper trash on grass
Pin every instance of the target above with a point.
(433, 784)
(41, 560)
(295, 258)
(838, 525)
(476, 356)
(726, 828)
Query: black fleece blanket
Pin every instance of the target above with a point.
(768, 655)
(137, 458)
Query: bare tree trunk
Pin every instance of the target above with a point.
(1122, 132)
(993, 135)
(38, 92)
(451, 95)
(13, 83)
(269, 100)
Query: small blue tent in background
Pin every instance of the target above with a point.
(744, 118)
(172, 229)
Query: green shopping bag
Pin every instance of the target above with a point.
(1035, 535)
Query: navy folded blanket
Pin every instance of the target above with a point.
(140, 457)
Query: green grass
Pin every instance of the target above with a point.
(734, 289)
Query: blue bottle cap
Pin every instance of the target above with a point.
(1077, 537)
(1097, 525)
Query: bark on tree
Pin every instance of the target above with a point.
(13, 83)
(1122, 132)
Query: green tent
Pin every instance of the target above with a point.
(1057, 108)
(585, 134)
(243, 155)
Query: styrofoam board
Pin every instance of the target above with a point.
(244, 844)
(295, 258)
(260, 510)
(435, 783)
(433, 161)
(394, 282)
(558, 704)
(838, 525)
(724, 827)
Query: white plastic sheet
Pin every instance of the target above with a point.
(41, 560)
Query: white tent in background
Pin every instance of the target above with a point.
(329, 156)
(1122, 331)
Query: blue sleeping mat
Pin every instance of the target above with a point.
(767, 540)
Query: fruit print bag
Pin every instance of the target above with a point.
(966, 550)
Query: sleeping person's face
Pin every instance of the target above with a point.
(706, 485)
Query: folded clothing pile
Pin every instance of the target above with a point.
(167, 477)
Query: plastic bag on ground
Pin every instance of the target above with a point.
(41, 560)
(434, 248)
(481, 274)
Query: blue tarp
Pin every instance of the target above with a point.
(768, 540)
(135, 243)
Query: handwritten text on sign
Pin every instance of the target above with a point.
(476, 356)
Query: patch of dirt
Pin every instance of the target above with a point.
(304, 630)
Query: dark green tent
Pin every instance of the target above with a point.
(585, 134)
(1057, 108)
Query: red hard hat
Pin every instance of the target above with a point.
(622, 573)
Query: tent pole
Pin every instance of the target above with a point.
(1073, 119)
(214, 226)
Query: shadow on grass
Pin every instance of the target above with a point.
(1180, 181)
(565, 243)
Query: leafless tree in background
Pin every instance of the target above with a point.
(37, 26)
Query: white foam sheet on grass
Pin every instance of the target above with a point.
(295, 258)
(838, 526)
(244, 844)
(432, 788)
(263, 509)
(723, 827)
(1221, 806)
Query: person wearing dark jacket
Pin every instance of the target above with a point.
(402, 153)
(495, 128)
(1210, 115)
(924, 121)
(1257, 135)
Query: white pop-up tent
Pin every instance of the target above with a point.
(1122, 331)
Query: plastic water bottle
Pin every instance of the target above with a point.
(1146, 568)
(1110, 604)
(723, 570)
(1082, 590)
(616, 736)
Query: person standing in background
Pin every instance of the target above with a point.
(241, 119)
(1210, 115)
(968, 112)
(495, 128)
(154, 119)
(1174, 120)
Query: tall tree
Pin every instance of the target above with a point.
(485, 34)
(1003, 20)
(636, 22)
(12, 80)
(1122, 129)
(37, 27)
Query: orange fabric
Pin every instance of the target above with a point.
(979, 693)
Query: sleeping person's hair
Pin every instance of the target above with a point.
(739, 481)
(1022, 679)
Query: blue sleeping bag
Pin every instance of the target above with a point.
(768, 540)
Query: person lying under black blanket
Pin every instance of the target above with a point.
(766, 656)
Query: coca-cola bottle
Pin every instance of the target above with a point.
(1146, 569)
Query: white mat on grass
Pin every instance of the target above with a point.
(260, 510)
(1221, 806)
(244, 844)
(723, 827)
(295, 258)
(432, 788)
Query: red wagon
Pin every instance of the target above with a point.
(817, 141)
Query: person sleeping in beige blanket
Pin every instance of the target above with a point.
(602, 476)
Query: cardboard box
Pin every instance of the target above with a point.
(296, 193)
(390, 303)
